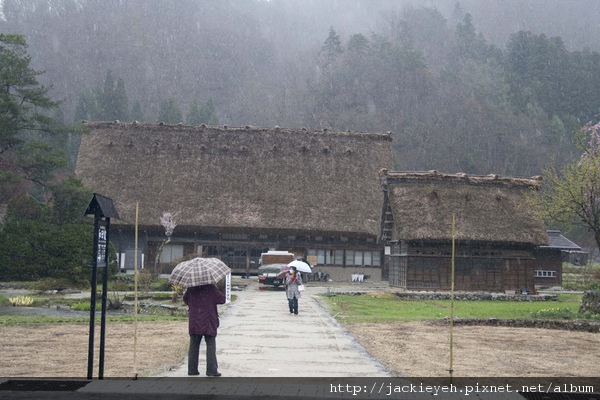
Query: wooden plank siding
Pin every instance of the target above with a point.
(477, 274)
(424, 267)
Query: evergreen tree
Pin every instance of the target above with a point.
(113, 99)
(537, 71)
(194, 117)
(332, 48)
(358, 45)
(208, 114)
(38, 238)
(169, 112)
(106, 100)
(120, 101)
(25, 128)
(470, 45)
(87, 106)
(136, 112)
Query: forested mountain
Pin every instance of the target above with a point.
(475, 86)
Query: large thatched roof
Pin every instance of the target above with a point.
(257, 178)
(487, 208)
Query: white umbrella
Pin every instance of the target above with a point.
(301, 266)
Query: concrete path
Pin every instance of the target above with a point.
(258, 337)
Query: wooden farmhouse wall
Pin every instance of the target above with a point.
(418, 267)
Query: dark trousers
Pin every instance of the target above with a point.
(194, 353)
(293, 303)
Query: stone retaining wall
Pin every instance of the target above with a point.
(13, 285)
(590, 302)
(567, 325)
(472, 296)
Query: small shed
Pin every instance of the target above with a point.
(495, 233)
(549, 259)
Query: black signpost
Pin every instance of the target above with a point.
(103, 209)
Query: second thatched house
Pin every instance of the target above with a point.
(495, 234)
(239, 192)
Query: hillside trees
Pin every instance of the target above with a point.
(453, 116)
(181, 50)
(106, 103)
(543, 74)
(453, 101)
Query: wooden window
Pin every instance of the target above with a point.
(377, 258)
(368, 258)
(545, 274)
(339, 257)
(171, 252)
(358, 258)
(349, 257)
(321, 257)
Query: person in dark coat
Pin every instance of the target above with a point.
(203, 322)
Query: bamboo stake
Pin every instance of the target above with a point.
(451, 370)
(135, 290)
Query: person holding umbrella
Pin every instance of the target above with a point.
(203, 322)
(199, 276)
(292, 281)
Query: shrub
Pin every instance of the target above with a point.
(49, 284)
(161, 285)
(162, 296)
(85, 306)
(118, 286)
(20, 301)
(177, 292)
(564, 313)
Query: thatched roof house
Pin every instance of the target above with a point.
(487, 208)
(493, 224)
(258, 182)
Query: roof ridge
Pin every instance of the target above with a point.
(226, 128)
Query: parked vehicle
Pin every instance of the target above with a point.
(272, 264)
(270, 279)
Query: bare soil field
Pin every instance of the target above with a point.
(422, 349)
(61, 350)
(413, 349)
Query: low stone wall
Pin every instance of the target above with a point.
(472, 296)
(590, 302)
(567, 325)
(13, 285)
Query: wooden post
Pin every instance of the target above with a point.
(451, 370)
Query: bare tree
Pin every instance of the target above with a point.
(167, 220)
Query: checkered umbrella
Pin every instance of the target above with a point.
(199, 271)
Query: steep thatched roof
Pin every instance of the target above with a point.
(225, 177)
(487, 208)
